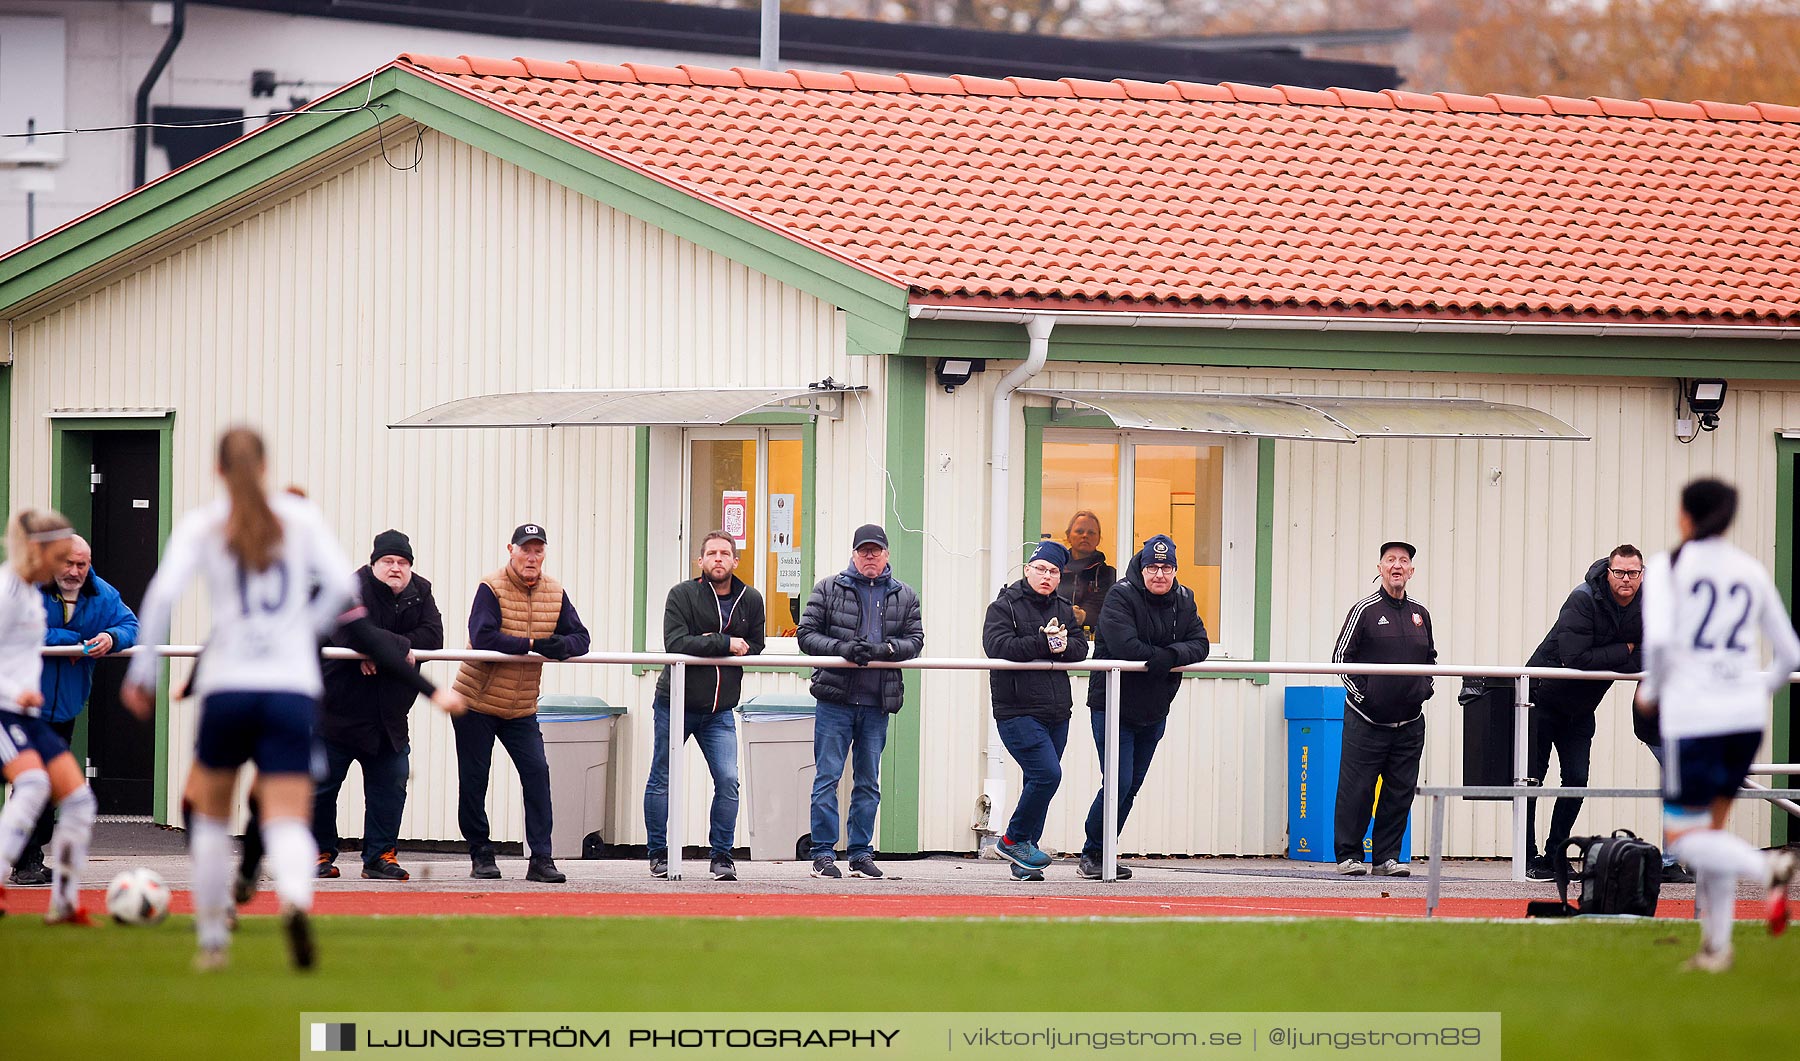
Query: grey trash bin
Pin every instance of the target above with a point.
(778, 774)
(578, 744)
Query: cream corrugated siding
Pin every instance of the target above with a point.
(1497, 558)
(369, 293)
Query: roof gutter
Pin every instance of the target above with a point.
(1305, 323)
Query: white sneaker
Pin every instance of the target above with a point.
(211, 959)
(1351, 867)
(1709, 961)
(1393, 868)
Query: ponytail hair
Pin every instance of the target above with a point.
(30, 530)
(1711, 504)
(252, 533)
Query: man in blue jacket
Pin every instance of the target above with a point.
(80, 608)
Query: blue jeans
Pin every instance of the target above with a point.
(384, 798)
(716, 733)
(1137, 746)
(524, 742)
(858, 734)
(1037, 747)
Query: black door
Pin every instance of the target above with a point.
(126, 488)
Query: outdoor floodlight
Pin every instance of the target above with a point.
(1705, 398)
(953, 372)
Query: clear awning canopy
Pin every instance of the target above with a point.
(632, 407)
(1311, 417)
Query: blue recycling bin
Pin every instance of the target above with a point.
(1315, 718)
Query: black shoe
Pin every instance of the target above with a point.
(826, 866)
(544, 871)
(386, 867)
(865, 867)
(243, 886)
(32, 874)
(327, 866)
(723, 868)
(482, 866)
(659, 867)
(1676, 873)
(298, 929)
(1538, 867)
(1089, 869)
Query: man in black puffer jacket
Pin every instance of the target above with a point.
(1148, 615)
(862, 613)
(1600, 627)
(1028, 622)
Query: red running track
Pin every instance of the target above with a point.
(467, 903)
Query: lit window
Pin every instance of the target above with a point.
(749, 484)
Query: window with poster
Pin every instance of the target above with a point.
(1113, 489)
(751, 483)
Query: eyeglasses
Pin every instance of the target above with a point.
(1160, 570)
(1627, 575)
(1043, 570)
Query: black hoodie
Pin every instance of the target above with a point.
(1590, 633)
(1134, 623)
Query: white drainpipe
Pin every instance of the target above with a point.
(1003, 546)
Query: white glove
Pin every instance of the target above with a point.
(1057, 635)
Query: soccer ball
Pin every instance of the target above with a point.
(137, 897)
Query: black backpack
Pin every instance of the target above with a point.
(1619, 874)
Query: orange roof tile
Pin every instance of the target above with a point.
(1213, 197)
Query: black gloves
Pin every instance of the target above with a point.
(859, 651)
(1161, 661)
(554, 647)
(884, 650)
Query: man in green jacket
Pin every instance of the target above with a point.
(715, 614)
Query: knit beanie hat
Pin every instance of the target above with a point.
(391, 543)
(1051, 553)
(1158, 550)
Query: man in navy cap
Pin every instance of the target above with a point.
(1384, 717)
(1147, 615)
(862, 613)
(1028, 622)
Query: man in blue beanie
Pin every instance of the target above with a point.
(1147, 615)
(1028, 622)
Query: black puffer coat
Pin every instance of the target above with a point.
(833, 618)
(1134, 623)
(359, 709)
(1014, 630)
(1591, 633)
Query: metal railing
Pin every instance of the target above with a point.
(1521, 790)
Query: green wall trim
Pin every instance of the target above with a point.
(1369, 351)
(6, 421)
(809, 506)
(1782, 742)
(71, 454)
(1037, 418)
(877, 307)
(640, 531)
(907, 388)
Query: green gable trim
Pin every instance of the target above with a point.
(907, 387)
(71, 455)
(1368, 351)
(877, 308)
(1782, 742)
(1038, 418)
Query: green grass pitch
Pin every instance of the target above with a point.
(1564, 990)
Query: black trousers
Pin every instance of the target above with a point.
(33, 855)
(1391, 754)
(475, 736)
(1572, 737)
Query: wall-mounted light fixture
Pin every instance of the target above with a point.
(1705, 398)
(953, 372)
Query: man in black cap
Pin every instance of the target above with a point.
(1384, 717)
(362, 716)
(862, 613)
(523, 611)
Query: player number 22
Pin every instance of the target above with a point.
(1735, 591)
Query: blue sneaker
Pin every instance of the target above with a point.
(1023, 854)
(1024, 876)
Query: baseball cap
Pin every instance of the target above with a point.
(529, 532)
(869, 533)
(1410, 551)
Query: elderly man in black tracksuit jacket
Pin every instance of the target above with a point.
(1600, 627)
(1028, 621)
(1384, 720)
(862, 613)
(362, 716)
(715, 614)
(1151, 616)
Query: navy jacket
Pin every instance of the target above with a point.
(1015, 630)
(99, 609)
(1135, 623)
(835, 615)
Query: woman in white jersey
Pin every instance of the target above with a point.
(276, 582)
(32, 756)
(1708, 609)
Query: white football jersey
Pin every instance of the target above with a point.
(21, 640)
(265, 625)
(1707, 618)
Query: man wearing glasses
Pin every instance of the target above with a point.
(1600, 628)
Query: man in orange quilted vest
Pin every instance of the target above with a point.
(519, 610)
